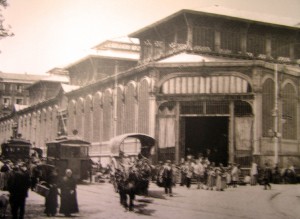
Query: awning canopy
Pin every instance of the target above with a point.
(147, 142)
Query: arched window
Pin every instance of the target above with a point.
(267, 106)
(107, 115)
(88, 121)
(80, 116)
(143, 119)
(97, 112)
(130, 101)
(289, 112)
(120, 110)
(71, 114)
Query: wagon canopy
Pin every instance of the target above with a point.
(147, 142)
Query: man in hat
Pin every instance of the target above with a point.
(125, 164)
(124, 159)
(4, 175)
(167, 178)
(267, 176)
(159, 169)
(18, 185)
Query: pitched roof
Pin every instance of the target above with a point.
(13, 77)
(255, 16)
(56, 78)
(226, 13)
(51, 78)
(120, 48)
(113, 55)
(124, 40)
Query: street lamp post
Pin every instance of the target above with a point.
(274, 132)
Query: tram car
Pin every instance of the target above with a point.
(16, 149)
(69, 152)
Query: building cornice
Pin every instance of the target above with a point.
(288, 69)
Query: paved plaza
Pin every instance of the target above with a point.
(98, 200)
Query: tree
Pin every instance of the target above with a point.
(4, 31)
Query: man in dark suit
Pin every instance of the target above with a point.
(167, 178)
(18, 185)
(267, 176)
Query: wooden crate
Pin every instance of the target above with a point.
(42, 190)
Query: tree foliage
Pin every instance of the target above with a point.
(4, 30)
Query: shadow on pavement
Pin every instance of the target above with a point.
(141, 209)
(156, 194)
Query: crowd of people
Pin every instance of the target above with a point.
(209, 176)
(19, 176)
(204, 173)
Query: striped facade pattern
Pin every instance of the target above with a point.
(205, 85)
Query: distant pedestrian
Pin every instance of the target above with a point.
(199, 173)
(18, 185)
(182, 172)
(267, 176)
(228, 175)
(68, 197)
(188, 173)
(253, 174)
(159, 169)
(175, 174)
(4, 173)
(276, 175)
(211, 177)
(34, 174)
(220, 179)
(167, 178)
(235, 172)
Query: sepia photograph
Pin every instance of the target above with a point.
(150, 109)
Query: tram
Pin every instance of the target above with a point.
(69, 152)
(16, 149)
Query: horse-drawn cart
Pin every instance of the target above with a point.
(130, 165)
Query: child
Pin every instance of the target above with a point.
(211, 177)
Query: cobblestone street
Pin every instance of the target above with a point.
(100, 201)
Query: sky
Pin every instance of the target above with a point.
(55, 33)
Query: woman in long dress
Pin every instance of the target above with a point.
(51, 202)
(68, 197)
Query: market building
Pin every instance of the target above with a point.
(204, 82)
(197, 82)
(225, 84)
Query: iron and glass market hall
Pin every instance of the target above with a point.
(197, 82)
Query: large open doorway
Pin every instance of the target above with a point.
(209, 136)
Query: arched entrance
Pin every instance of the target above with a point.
(200, 113)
